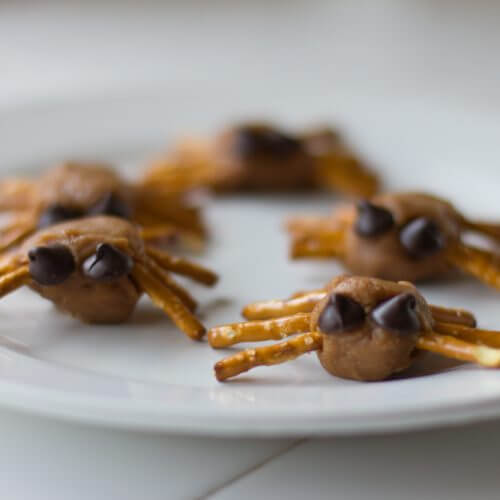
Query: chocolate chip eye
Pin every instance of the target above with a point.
(57, 213)
(111, 204)
(107, 264)
(340, 313)
(422, 237)
(51, 265)
(372, 220)
(398, 314)
(254, 141)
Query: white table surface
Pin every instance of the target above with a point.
(438, 50)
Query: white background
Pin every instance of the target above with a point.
(442, 51)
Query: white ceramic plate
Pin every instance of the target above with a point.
(146, 375)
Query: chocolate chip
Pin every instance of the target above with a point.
(57, 213)
(253, 140)
(108, 263)
(372, 220)
(421, 237)
(111, 204)
(398, 314)
(340, 313)
(51, 265)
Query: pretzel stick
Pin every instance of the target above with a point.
(172, 234)
(18, 194)
(308, 225)
(163, 210)
(157, 231)
(165, 299)
(342, 171)
(8, 263)
(255, 331)
(17, 229)
(489, 338)
(480, 263)
(320, 245)
(456, 316)
(489, 229)
(183, 266)
(14, 280)
(170, 283)
(267, 356)
(302, 293)
(186, 168)
(279, 308)
(458, 349)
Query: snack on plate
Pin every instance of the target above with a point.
(361, 328)
(399, 236)
(261, 157)
(74, 190)
(97, 268)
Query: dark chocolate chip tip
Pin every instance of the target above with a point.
(421, 237)
(51, 265)
(372, 220)
(398, 314)
(107, 264)
(341, 313)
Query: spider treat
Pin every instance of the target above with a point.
(73, 190)
(361, 328)
(97, 268)
(261, 157)
(403, 236)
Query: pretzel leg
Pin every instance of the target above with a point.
(480, 263)
(8, 264)
(167, 300)
(342, 171)
(279, 308)
(267, 356)
(452, 347)
(169, 282)
(188, 167)
(487, 228)
(307, 225)
(255, 331)
(455, 316)
(489, 338)
(171, 234)
(302, 293)
(17, 229)
(17, 194)
(14, 279)
(323, 244)
(183, 266)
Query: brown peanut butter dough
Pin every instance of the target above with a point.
(75, 190)
(262, 157)
(90, 300)
(361, 328)
(79, 186)
(370, 351)
(383, 255)
(398, 236)
(96, 268)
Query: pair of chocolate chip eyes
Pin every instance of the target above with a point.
(398, 314)
(420, 237)
(110, 204)
(254, 140)
(54, 264)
